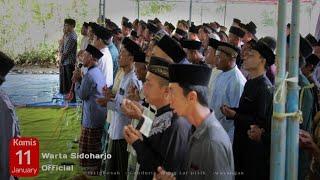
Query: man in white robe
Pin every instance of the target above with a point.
(228, 85)
(105, 63)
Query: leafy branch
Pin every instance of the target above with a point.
(154, 8)
(267, 18)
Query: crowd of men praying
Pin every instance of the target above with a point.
(182, 101)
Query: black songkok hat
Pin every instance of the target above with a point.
(170, 26)
(311, 39)
(101, 32)
(181, 32)
(134, 34)
(252, 42)
(191, 44)
(124, 19)
(131, 46)
(96, 53)
(242, 26)
(194, 29)
(266, 46)
(228, 49)
(313, 59)
(157, 21)
(143, 23)
(127, 24)
(85, 24)
(288, 25)
(153, 28)
(116, 30)
(93, 25)
(214, 43)
(270, 42)
(159, 67)
(139, 57)
(251, 27)
(304, 46)
(171, 48)
(237, 31)
(189, 74)
(223, 29)
(236, 20)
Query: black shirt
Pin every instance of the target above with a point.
(166, 145)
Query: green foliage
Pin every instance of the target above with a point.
(8, 27)
(19, 19)
(44, 54)
(42, 12)
(22, 3)
(23, 27)
(267, 18)
(154, 8)
(220, 9)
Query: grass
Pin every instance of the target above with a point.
(55, 128)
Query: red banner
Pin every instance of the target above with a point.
(24, 157)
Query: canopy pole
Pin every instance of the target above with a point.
(317, 31)
(293, 95)
(102, 11)
(278, 130)
(225, 12)
(138, 1)
(190, 13)
(201, 13)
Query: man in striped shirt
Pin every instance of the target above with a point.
(68, 56)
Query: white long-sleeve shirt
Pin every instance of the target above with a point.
(105, 64)
(228, 88)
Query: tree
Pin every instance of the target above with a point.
(8, 26)
(154, 8)
(42, 13)
(267, 18)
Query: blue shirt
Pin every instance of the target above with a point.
(119, 119)
(212, 82)
(184, 61)
(115, 57)
(228, 88)
(89, 90)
